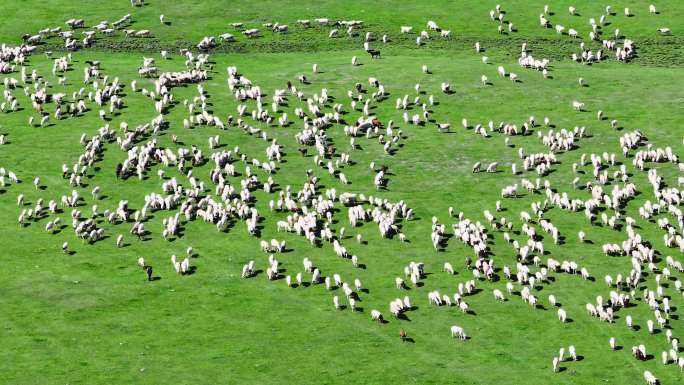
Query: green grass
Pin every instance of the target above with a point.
(91, 317)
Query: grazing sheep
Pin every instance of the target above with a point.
(457, 331)
(561, 315)
(650, 378)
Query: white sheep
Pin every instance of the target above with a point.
(562, 315)
(578, 106)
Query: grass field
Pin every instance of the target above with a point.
(92, 317)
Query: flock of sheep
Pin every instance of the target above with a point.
(235, 176)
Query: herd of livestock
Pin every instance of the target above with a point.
(237, 179)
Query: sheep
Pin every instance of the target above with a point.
(376, 316)
(652, 9)
(664, 31)
(577, 106)
(552, 301)
(457, 331)
(611, 341)
(250, 33)
(498, 295)
(562, 315)
(650, 378)
(399, 283)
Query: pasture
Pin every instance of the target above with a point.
(90, 316)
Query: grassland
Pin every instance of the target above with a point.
(91, 317)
